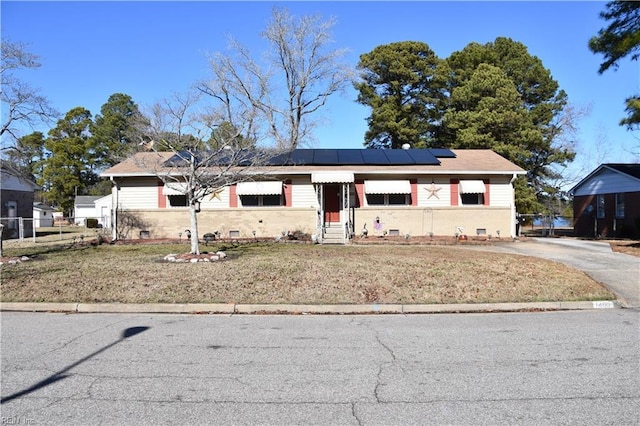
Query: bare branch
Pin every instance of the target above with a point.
(295, 82)
(22, 104)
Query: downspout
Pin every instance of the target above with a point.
(512, 225)
(114, 209)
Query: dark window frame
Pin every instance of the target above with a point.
(472, 199)
(261, 200)
(388, 200)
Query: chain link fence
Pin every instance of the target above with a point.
(21, 229)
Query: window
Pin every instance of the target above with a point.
(388, 192)
(12, 211)
(177, 200)
(261, 200)
(388, 199)
(472, 192)
(600, 206)
(620, 205)
(472, 199)
(260, 194)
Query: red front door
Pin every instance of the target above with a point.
(331, 203)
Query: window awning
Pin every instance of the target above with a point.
(387, 187)
(174, 188)
(259, 188)
(472, 187)
(332, 177)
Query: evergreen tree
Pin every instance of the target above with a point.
(620, 39)
(71, 167)
(113, 129)
(493, 96)
(399, 81)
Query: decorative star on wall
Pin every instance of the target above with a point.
(216, 194)
(433, 190)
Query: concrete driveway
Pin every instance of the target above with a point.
(619, 272)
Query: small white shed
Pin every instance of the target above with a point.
(42, 215)
(103, 211)
(84, 208)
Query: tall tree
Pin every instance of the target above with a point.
(618, 40)
(527, 117)
(399, 82)
(70, 169)
(299, 76)
(21, 103)
(486, 112)
(494, 96)
(114, 128)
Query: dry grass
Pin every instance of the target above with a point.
(631, 247)
(291, 273)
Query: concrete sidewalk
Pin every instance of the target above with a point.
(232, 309)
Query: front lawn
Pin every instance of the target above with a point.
(289, 273)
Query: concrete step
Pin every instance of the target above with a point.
(333, 235)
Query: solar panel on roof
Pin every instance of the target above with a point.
(399, 156)
(374, 156)
(423, 157)
(302, 156)
(350, 156)
(442, 152)
(325, 157)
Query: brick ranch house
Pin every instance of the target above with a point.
(332, 194)
(606, 203)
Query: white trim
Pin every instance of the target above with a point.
(332, 177)
(387, 187)
(472, 187)
(259, 188)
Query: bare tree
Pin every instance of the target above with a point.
(298, 76)
(21, 103)
(201, 153)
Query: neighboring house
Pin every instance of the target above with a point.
(42, 215)
(16, 205)
(606, 203)
(84, 208)
(330, 193)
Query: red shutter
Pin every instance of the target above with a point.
(414, 192)
(455, 189)
(359, 193)
(233, 198)
(487, 192)
(162, 199)
(288, 193)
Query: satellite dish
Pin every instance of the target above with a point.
(406, 146)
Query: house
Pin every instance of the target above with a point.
(333, 194)
(84, 208)
(16, 204)
(606, 203)
(42, 215)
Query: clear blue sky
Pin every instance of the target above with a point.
(90, 50)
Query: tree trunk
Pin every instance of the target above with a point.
(195, 248)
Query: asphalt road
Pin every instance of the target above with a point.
(494, 369)
(619, 272)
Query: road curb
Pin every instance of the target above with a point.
(292, 309)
